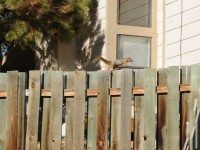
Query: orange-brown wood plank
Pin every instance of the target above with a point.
(102, 110)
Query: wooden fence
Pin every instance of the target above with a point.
(99, 109)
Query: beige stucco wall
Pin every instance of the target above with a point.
(178, 32)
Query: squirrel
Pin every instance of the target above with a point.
(115, 63)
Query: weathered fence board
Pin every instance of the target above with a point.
(11, 110)
(126, 98)
(194, 104)
(168, 110)
(115, 113)
(97, 107)
(161, 112)
(79, 97)
(173, 117)
(139, 112)
(185, 79)
(55, 124)
(21, 111)
(149, 109)
(3, 83)
(102, 110)
(33, 110)
(70, 111)
(46, 111)
(92, 112)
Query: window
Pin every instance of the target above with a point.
(134, 13)
(137, 48)
(131, 32)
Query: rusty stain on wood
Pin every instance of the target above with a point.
(102, 110)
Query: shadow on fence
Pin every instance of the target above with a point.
(123, 109)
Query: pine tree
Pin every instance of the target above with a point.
(25, 23)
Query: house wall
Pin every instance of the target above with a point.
(178, 32)
(79, 53)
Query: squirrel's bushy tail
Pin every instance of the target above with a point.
(98, 58)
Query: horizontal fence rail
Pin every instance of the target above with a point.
(112, 92)
(123, 109)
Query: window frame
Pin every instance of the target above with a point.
(114, 29)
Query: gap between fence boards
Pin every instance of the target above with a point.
(112, 92)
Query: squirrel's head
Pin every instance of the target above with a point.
(129, 59)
